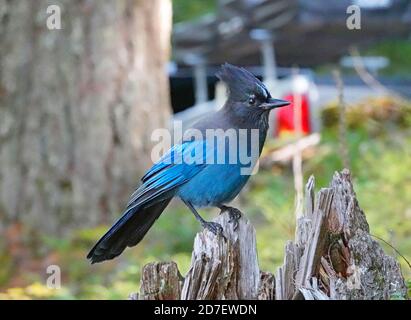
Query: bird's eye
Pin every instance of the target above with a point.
(251, 100)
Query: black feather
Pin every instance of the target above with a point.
(128, 231)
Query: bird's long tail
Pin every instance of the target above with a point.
(128, 231)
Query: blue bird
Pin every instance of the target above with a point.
(200, 170)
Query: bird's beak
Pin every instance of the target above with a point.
(274, 103)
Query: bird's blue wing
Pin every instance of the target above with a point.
(177, 166)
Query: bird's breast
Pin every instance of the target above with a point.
(215, 185)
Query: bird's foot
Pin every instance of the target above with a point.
(213, 227)
(234, 214)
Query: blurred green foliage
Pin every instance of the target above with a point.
(398, 52)
(379, 140)
(184, 10)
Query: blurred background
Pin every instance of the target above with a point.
(78, 105)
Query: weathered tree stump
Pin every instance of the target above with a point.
(161, 281)
(333, 256)
(222, 267)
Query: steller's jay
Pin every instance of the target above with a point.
(198, 183)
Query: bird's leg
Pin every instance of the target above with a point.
(214, 227)
(234, 213)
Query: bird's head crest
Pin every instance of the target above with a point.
(241, 83)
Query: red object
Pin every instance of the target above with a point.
(285, 116)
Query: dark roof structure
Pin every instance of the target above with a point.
(304, 32)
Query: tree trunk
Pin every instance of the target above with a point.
(333, 257)
(78, 106)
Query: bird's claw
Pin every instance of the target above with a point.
(234, 214)
(214, 228)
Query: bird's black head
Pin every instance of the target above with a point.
(246, 90)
